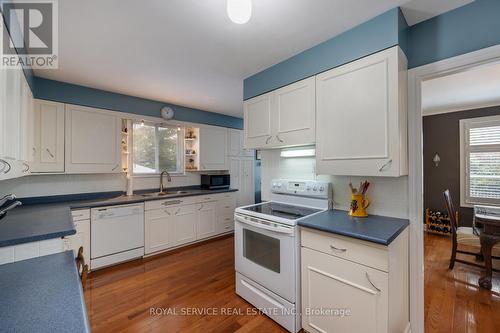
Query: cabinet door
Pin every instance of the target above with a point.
(80, 239)
(257, 121)
(234, 172)
(49, 137)
(184, 224)
(361, 117)
(332, 283)
(294, 114)
(27, 127)
(158, 227)
(235, 144)
(206, 222)
(12, 116)
(213, 143)
(246, 193)
(92, 141)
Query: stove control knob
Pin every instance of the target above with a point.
(279, 185)
(275, 185)
(315, 188)
(322, 188)
(308, 188)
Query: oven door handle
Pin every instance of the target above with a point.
(256, 224)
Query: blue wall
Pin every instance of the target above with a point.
(372, 36)
(74, 94)
(462, 30)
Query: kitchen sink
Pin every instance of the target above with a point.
(163, 194)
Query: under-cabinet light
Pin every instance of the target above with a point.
(304, 152)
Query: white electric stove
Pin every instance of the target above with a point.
(267, 247)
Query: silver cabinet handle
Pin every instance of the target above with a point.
(201, 207)
(27, 167)
(177, 211)
(116, 166)
(269, 139)
(50, 154)
(34, 151)
(369, 280)
(6, 165)
(382, 168)
(337, 249)
(166, 211)
(279, 139)
(169, 203)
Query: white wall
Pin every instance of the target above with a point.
(388, 196)
(44, 185)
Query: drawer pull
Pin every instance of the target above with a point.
(174, 202)
(166, 211)
(337, 249)
(368, 278)
(227, 219)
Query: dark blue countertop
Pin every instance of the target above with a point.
(50, 217)
(376, 229)
(42, 295)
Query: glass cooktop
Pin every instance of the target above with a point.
(282, 210)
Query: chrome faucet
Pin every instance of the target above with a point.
(169, 179)
(7, 198)
(3, 211)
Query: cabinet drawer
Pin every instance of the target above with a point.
(368, 254)
(206, 198)
(158, 213)
(226, 223)
(80, 214)
(158, 204)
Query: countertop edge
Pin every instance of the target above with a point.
(37, 238)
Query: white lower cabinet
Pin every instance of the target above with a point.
(26, 251)
(206, 223)
(184, 224)
(81, 220)
(175, 222)
(157, 230)
(361, 287)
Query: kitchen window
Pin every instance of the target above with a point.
(480, 161)
(156, 148)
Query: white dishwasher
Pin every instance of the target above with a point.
(116, 234)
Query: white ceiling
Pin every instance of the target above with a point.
(187, 52)
(462, 91)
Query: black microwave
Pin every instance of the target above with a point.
(215, 182)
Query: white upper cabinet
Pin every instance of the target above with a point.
(92, 141)
(27, 123)
(213, 143)
(282, 118)
(257, 121)
(49, 137)
(294, 110)
(235, 144)
(361, 117)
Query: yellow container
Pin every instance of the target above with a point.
(359, 203)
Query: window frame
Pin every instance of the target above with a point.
(465, 149)
(180, 149)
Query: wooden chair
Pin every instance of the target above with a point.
(464, 236)
(82, 268)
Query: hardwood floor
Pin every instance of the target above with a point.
(199, 278)
(453, 300)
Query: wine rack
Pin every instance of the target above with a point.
(437, 222)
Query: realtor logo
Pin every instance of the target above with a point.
(29, 32)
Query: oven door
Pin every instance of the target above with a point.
(265, 252)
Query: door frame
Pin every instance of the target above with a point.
(416, 76)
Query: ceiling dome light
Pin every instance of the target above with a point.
(239, 11)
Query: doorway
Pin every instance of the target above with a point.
(435, 259)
